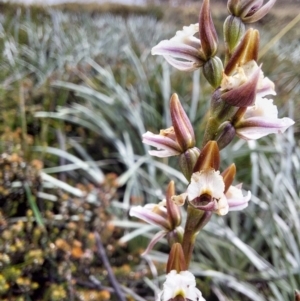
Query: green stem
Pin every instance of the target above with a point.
(196, 220)
(211, 130)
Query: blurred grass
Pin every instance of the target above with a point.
(87, 87)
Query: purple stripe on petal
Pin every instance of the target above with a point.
(256, 127)
(163, 153)
(161, 142)
(178, 50)
(181, 65)
(150, 217)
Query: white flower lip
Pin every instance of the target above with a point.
(180, 284)
(210, 182)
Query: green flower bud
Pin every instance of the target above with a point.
(213, 70)
(234, 30)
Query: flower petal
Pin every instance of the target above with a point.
(260, 13)
(235, 198)
(256, 127)
(182, 65)
(221, 206)
(206, 182)
(150, 217)
(263, 107)
(177, 50)
(168, 146)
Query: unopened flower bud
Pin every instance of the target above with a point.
(233, 29)
(246, 51)
(174, 214)
(176, 259)
(213, 70)
(183, 128)
(226, 135)
(207, 31)
(187, 161)
(228, 176)
(209, 157)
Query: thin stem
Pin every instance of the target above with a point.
(102, 255)
(196, 220)
(23, 118)
(211, 130)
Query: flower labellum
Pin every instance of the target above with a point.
(180, 286)
(211, 191)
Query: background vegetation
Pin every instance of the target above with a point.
(78, 89)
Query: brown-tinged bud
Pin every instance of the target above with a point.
(176, 259)
(226, 135)
(249, 11)
(207, 31)
(187, 161)
(209, 157)
(182, 126)
(228, 176)
(174, 213)
(246, 51)
(213, 70)
(233, 29)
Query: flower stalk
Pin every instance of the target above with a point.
(240, 107)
